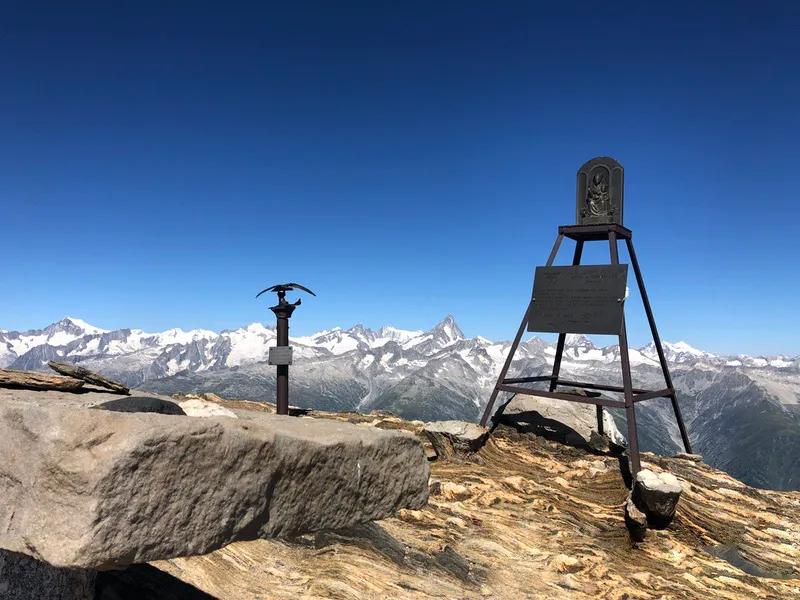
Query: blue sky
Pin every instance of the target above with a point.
(162, 162)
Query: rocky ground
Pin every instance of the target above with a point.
(524, 518)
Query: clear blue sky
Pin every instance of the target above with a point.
(162, 162)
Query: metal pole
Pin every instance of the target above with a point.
(659, 349)
(627, 383)
(282, 391)
(562, 337)
(504, 371)
(283, 312)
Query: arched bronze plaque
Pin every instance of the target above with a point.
(600, 187)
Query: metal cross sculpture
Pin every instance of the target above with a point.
(281, 355)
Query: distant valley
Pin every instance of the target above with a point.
(742, 412)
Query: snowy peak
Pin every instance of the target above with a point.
(336, 341)
(73, 327)
(255, 328)
(340, 341)
(393, 334)
(179, 336)
(66, 331)
(363, 335)
(359, 331)
(444, 334)
(580, 347)
(677, 353)
(81, 324)
(684, 348)
(448, 330)
(578, 341)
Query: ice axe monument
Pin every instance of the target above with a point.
(281, 355)
(589, 299)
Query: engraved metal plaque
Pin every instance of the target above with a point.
(600, 188)
(280, 355)
(578, 299)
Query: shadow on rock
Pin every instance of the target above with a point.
(145, 581)
(733, 557)
(372, 537)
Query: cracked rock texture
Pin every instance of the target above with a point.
(529, 519)
(99, 489)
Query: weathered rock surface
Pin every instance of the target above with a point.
(195, 407)
(635, 520)
(657, 495)
(24, 578)
(37, 381)
(78, 372)
(533, 519)
(692, 457)
(210, 397)
(600, 442)
(450, 438)
(101, 489)
(247, 405)
(574, 423)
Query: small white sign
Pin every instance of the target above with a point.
(280, 355)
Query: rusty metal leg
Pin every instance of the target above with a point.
(627, 382)
(562, 337)
(600, 426)
(659, 349)
(684, 434)
(504, 371)
(630, 409)
(554, 251)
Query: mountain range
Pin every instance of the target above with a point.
(742, 412)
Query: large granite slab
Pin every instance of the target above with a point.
(97, 489)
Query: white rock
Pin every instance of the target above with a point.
(200, 408)
(657, 495)
(574, 421)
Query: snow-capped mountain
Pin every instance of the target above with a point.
(441, 374)
(339, 341)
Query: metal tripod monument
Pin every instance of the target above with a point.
(281, 355)
(589, 299)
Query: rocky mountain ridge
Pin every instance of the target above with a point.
(77, 339)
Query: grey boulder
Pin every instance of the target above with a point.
(99, 489)
(657, 495)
